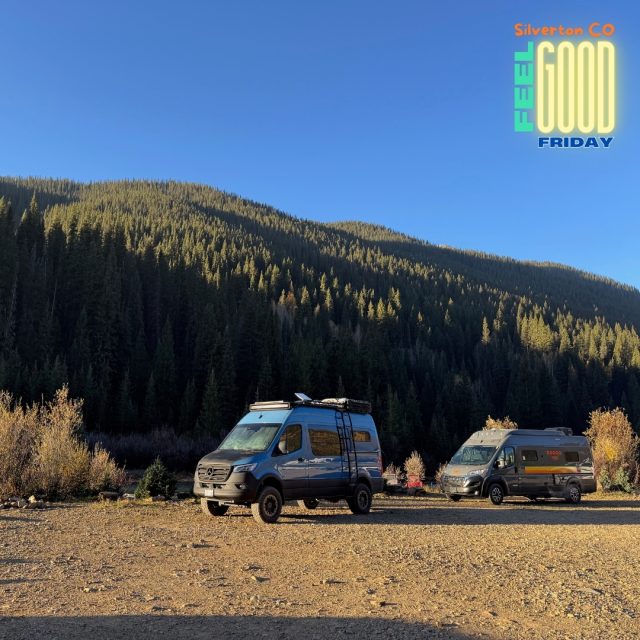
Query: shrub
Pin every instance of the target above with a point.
(156, 481)
(614, 446)
(18, 433)
(439, 475)
(392, 470)
(414, 466)
(104, 473)
(497, 423)
(41, 450)
(604, 479)
(621, 481)
(61, 461)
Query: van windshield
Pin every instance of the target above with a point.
(473, 454)
(250, 437)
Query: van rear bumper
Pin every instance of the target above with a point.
(239, 488)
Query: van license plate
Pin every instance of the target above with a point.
(208, 493)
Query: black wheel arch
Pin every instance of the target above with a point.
(271, 481)
(493, 480)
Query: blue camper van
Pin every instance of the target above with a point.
(305, 450)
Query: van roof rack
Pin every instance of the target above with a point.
(338, 404)
(566, 430)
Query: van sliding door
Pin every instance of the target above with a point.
(326, 477)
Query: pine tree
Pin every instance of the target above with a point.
(209, 420)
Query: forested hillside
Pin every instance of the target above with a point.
(176, 304)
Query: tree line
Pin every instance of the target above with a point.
(171, 304)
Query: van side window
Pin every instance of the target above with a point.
(361, 436)
(507, 457)
(291, 439)
(529, 455)
(324, 443)
(571, 456)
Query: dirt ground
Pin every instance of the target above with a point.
(413, 568)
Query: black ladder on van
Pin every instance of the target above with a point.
(347, 445)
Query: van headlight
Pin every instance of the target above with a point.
(244, 468)
(478, 474)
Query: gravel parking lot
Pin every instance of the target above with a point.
(413, 568)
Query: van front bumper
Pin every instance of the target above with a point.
(463, 487)
(238, 488)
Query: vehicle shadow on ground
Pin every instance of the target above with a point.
(207, 627)
(24, 518)
(478, 513)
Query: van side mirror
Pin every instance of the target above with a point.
(282, 447)
(500, 464)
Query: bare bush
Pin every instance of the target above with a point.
(439, 475)
(18, 434)
(41, 450)
(104, 473)
(414, 466)
(615, 448)
(62, 460)
(392, 470)
(500, 423)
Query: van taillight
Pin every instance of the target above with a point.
(380, 467)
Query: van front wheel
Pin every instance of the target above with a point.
(266, 509)
(496, 493)
(212, 508)
(360, 502)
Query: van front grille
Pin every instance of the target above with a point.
(213, 473)
(453, 481)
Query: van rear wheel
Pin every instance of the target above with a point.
(212, 508)
(496, 493)
(573, 495)
(308, 503)
(360, 502)
(267, 508)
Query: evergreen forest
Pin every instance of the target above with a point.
(165, 304)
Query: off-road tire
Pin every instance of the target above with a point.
(360, 502)
(573, 494)
(308, 503)
(496, 493)
(212, 508)
(268, 506)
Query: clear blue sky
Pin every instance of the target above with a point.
(398, 113)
